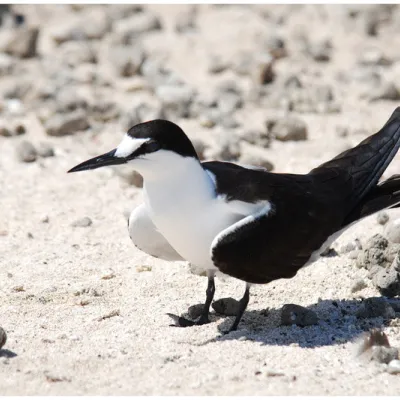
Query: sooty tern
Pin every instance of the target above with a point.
(246, 222)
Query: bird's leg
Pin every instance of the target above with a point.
(242, 307)
(209, 298)
(184, 322)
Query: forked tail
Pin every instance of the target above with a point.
(365, 163)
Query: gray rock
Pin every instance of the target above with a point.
(117, 12)
(382, 217)
(127, 60)
(200, 146)
(387, 280)
(67, 124)
(23, 42)
(320, 51)
(130, 176)
(265, 72)
(26, 152)
(289, 128)
(69, 100)
(358, 285)
(375, 307)
(227, 148)
(186, 21)
(394, 367)
(82, 223)
(392, 231)
(7, 64)
(131, 28)
(104, 110)
(141, 113)
(90, 26)
(76, 53)
(195, 311)
(293, 314)
(175, 99)
(383, 355)
(226, 306)
(4, 130)
(228, 102)
(374, 57)
(374, 253)
(388, 91)
(243, 63)
(256, 137)
(216, 65)
(3, 337)
(17, 89)
(275, 46)
(350, 246)
(292, 82)
(45, 150)
(95, 24)
(256, 157)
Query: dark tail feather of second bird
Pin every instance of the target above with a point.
(365, 164)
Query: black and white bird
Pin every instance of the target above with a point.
(246, 222)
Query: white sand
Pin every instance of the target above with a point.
(61, 347)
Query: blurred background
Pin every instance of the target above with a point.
(283, 86)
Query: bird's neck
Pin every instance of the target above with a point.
(183, 183)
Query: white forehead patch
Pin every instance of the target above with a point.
(128, 146)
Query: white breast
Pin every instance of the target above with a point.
(189, 216)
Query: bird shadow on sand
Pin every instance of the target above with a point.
(7, 353)
(339, 321)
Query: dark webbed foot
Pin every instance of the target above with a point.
(204, 319)
(184, 322)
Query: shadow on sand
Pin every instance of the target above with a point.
(338, 323)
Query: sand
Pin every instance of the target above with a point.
(82, 319)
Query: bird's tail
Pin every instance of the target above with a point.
(365, 164)
(384, 195)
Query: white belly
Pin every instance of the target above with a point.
(191, 231)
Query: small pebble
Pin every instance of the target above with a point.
(358, 285)
(383, 355)
(375, 307)
(108, 276)
(226, 306)
(19, 288)
(387, 280)
(45, 150)
(143, 268)
(111, 314)
(392, 231)
(83, 222)
(382, 217)
(293, 314)
(289, 128)
(4, 131)
(195, 311)
(3, 337)
(394, 367)
(26, 152)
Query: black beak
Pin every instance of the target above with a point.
(99, 161)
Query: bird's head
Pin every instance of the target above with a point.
(152, 148)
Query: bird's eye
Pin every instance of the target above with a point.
(152, 146)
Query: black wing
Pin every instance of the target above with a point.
(305, 212)
(306, 209)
